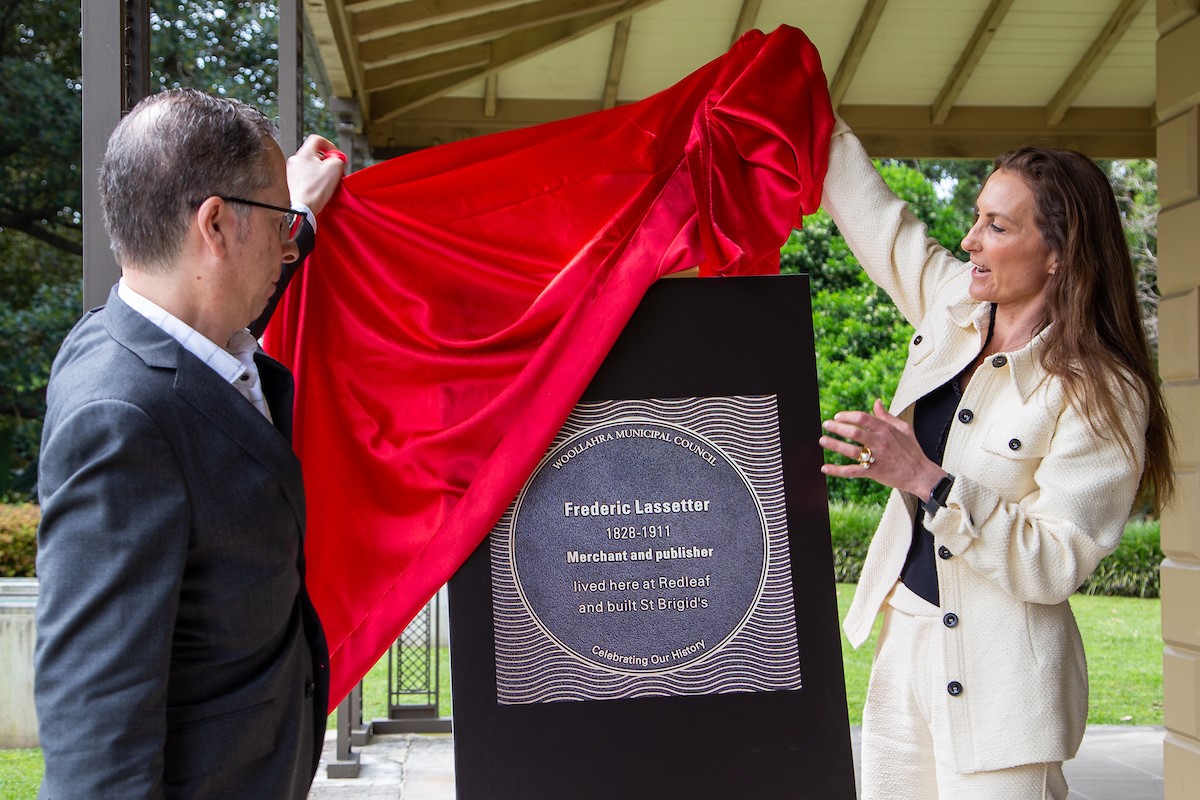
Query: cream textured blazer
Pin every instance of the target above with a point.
(1039, 496)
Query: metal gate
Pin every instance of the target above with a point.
(413, 687)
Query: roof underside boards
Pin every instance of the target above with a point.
(916, 78)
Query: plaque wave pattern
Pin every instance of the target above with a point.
(762, 655)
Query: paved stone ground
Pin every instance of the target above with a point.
(409, 766)
(1116, 762)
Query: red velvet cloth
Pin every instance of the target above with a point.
(460, 299)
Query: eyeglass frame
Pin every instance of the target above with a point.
(292, 219)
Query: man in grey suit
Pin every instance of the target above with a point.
(178, 654)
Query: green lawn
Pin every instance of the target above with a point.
(856, 663)
(375, 689)
(1123, 640)
(20, 774)
(1122, 635)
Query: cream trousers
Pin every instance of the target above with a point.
(906, 744)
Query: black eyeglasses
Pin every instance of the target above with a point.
(289, 227)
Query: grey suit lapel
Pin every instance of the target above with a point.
(225, 408)
(215, 399)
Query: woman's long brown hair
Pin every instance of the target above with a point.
(1096, 344)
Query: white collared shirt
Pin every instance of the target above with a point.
(234, 362)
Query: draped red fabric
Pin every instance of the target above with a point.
(460, 299)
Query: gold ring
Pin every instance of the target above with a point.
(865, 458)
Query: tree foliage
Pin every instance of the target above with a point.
(1135, 184)
(40, 235)
(40, 303)
(223, 47)
(861, 338)
(40, 139)
(30, 335)
(229, 49)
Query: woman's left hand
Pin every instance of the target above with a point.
(883, 447)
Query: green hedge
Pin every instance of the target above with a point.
(1130, 571)
(18, 539)
(851, 526)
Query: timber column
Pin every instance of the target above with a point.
(1178, 104)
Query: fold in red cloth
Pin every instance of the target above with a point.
(460, 299)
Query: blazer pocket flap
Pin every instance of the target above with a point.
(199, 746)
(1019, 439)
(919, 347)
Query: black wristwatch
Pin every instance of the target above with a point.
(937, 497)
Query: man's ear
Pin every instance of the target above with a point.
(215, 224)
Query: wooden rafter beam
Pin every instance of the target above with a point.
(616, 61)
(989, 23)
(331, 31)
(479, 28)
(984, 131)
(886, 131)
(863, 32)
(507, 50)
(1093, 59)
(381, 20)
(431, 66)
(358, 5)
(747, 18)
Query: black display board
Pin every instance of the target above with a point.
(655, 616)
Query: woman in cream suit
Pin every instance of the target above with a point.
(1027, 421)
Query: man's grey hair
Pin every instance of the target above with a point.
(171, 152)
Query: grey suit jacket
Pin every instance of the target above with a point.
(178, 654)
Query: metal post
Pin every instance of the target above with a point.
(116, 75)
(137, 53)
(351, 733)
(360, 730)
(291, 75)
(346, 761)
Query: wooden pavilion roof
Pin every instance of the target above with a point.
(916, 78)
